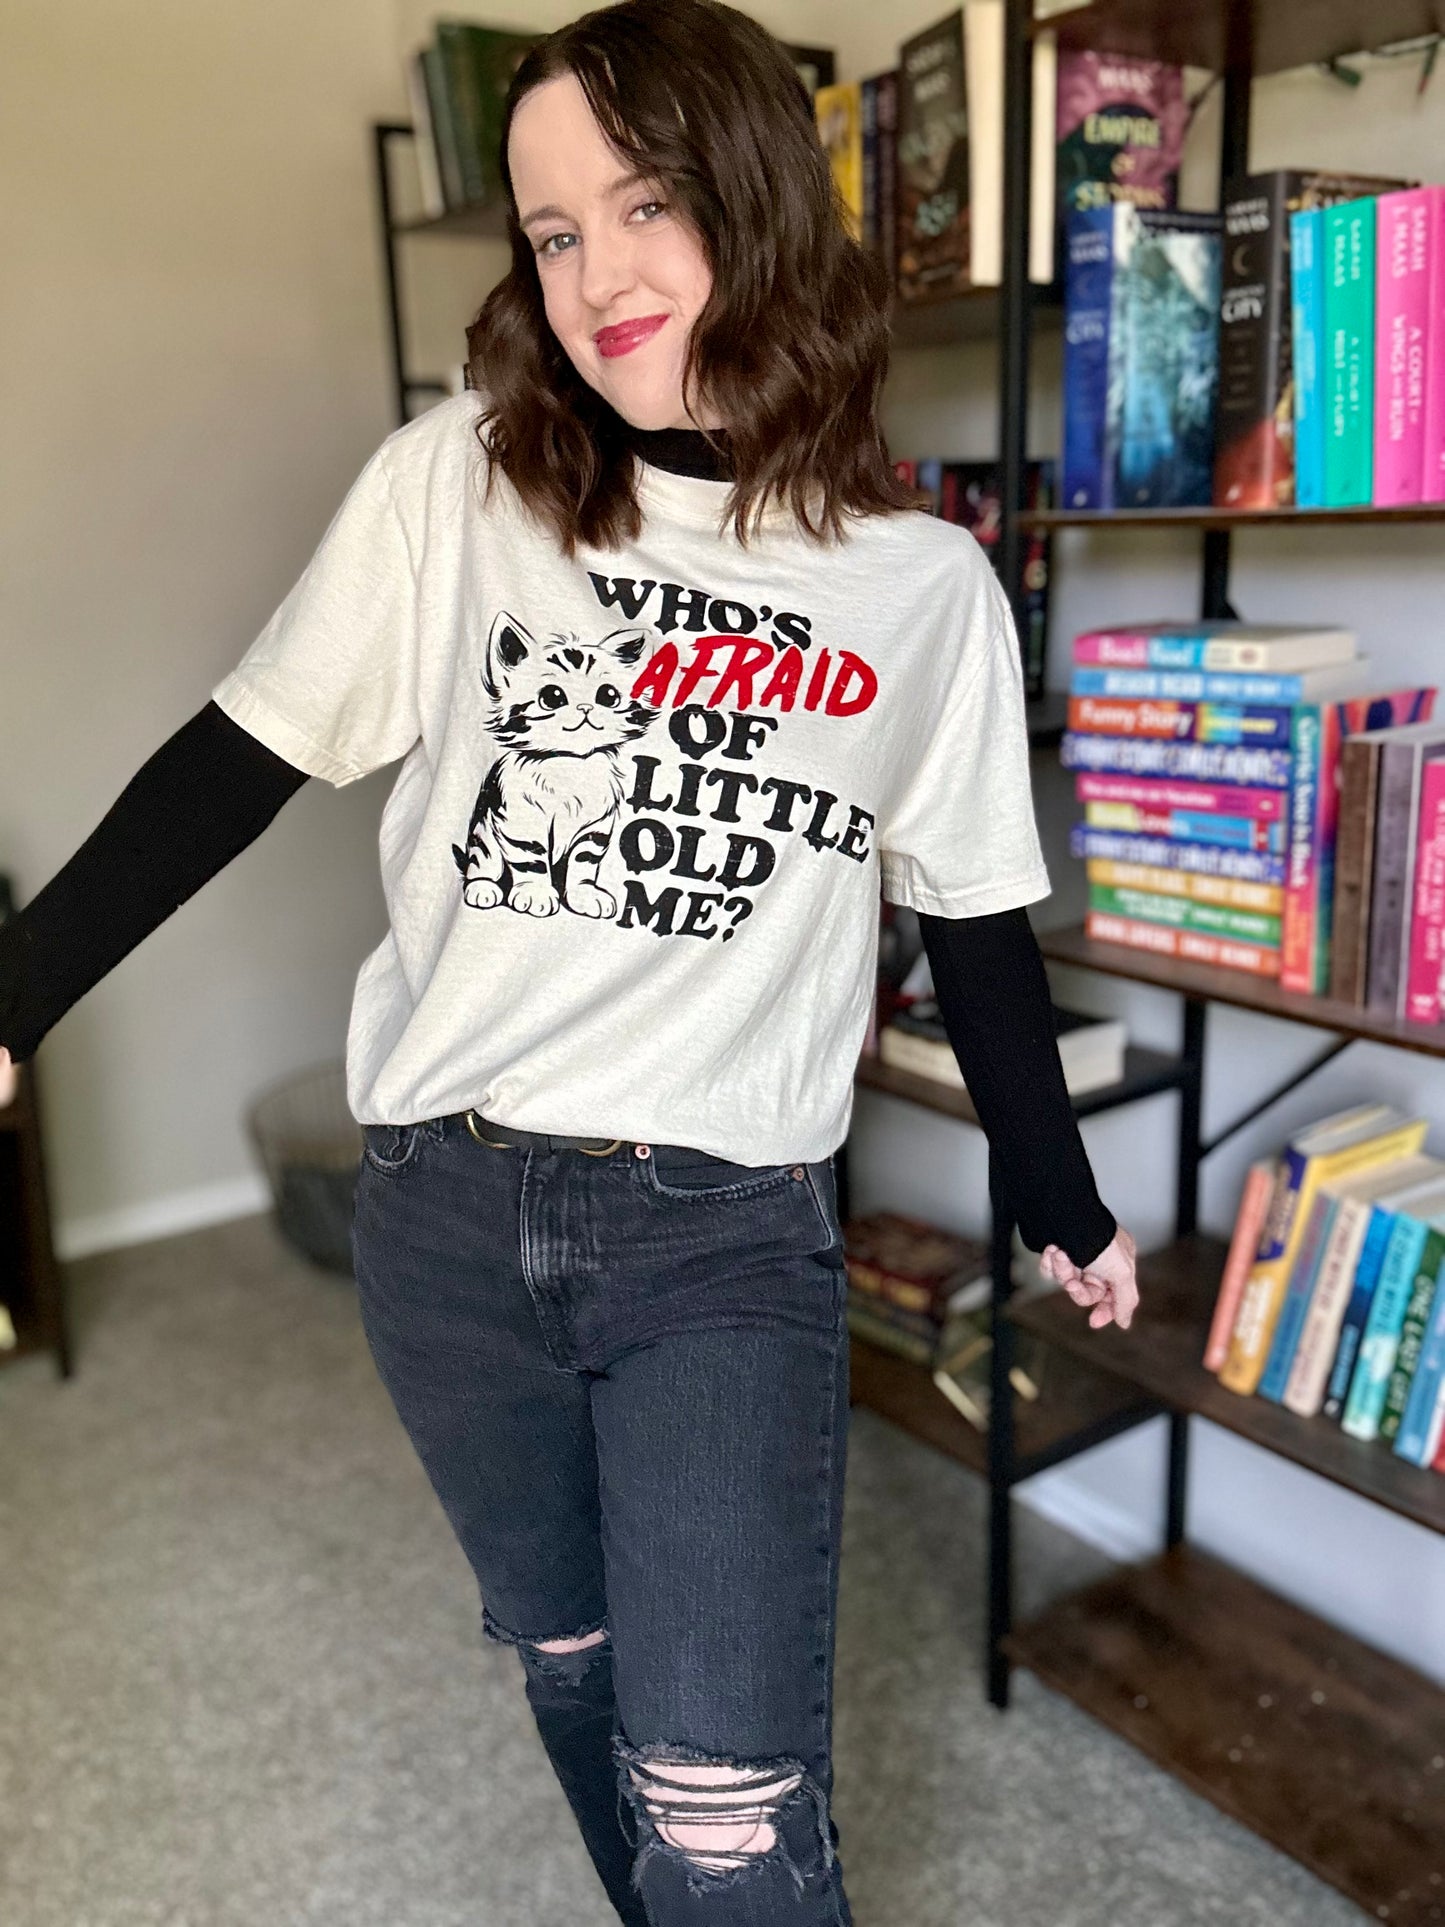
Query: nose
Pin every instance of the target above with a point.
(607, 270)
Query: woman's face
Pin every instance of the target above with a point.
(623, 274)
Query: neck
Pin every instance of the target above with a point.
(682, 451)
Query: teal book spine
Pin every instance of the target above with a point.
(1295, 1309)
(1350, 353)
(1412, 1339)
(1371, 1382)
(1307, 327)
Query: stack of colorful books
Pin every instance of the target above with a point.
(907, 1282)
(1331, 1301)
(1207, 759)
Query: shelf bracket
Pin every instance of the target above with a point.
(1316, 1063)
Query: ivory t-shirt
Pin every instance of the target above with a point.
(632, 856)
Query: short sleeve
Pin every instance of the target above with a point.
(960, 839)
(330, 683)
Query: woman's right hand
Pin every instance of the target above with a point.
(8, 1077)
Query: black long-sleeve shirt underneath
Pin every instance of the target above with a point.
(212, 788)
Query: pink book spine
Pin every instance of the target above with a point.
(1112, 649)
(1434, 455)
(1427, 920)
(1402, 326)
(1258, 1190)
(1160, 793)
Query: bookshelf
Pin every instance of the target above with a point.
(1323, 1745)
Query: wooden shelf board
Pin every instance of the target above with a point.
(959, 318)
(1237, 987)
(1329, 1749)
(1161, 1354)
(1145, 1072)
(1280, 36)
(1211, 518)
(899, 1390)
(488, 222)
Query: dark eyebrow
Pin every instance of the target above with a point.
(551, 212)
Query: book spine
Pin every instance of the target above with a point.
(1412, 1336)
(443, 125)
(1267, 728)
(1189, 686)
(1254, 419)
(1301, 890)
(1415, 1437)
(887, 112)
(1307, 330)
(1305, 1387)
(1248, 1225)
(1371, 1380)
(1357, 1312)
(1163, 793)
(1350, 361)
(433, 196)
(1422, 982)
(868, 114)
(1131, 851)
(1210, 763)
(1088, 301)
(1354, 864)
(1394, 817)
(934, 168)
(1299, 1287)
(1112, 649)
(1240, 833)
(461, 86)
(1211, 918)
(1230, 893)
(1402, 317)
(1186, 944)
(1433, 460)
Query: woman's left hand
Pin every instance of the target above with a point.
(1106, 1283)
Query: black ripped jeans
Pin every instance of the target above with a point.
(627, 1377)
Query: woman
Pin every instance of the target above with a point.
(678, 674)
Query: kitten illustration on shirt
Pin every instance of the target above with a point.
(547, 808)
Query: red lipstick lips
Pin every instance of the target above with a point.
(624, 336)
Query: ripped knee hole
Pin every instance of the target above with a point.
(718, 1816)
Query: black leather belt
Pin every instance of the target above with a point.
(502, 1137)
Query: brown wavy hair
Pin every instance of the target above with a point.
(791, 347)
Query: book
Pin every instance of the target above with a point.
(1412, 1335)
(916, 1267)
(1319, 1282)
(1356, 1248)
(1340, 1153)
(433, 195)
(1249, 926)
(477, 64)
(1354, 866)
(838, 111)
(1255, 424)
(1383, 1219)
(1433, 464)
(971, 495)
(983, 28)
(1318, 730)
(1236, 764)
(1119, 132)
(1131, 851)
(1202, 686)
(878, 97)
(1240, 647)
(1087, 468)
(1267, 806)
(1349, 369)
(440, 125)
(1248, 1224)
(1421, 1004)
(1307, 336)
(1416, 1439)
(1380, 1342)
(1231, 892)
(1183, 827)
(1190, 945)
(1181, 722)
(1091, 1049)
(1404, 233)
(1163, 357)
(964, 1371)
(1403, 754)
(933, 163)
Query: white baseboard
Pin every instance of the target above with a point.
(164, 1217)
(1066, 1501)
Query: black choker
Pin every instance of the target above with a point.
(682, 451)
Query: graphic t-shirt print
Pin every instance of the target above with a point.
(696, 843)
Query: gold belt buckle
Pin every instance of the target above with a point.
(605, 1152)
(496, 1144)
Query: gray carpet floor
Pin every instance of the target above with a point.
(242, 1682)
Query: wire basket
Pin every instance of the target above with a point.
(310, 1145)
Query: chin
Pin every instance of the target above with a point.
(647, 411)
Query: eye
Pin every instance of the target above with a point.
(649, 210)
(553, 245)
(608, 696)
(552, 697)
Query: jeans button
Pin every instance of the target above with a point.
(797, 1170)
(642, 1150)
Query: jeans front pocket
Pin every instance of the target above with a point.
(390, 1148)
(698, 1177)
